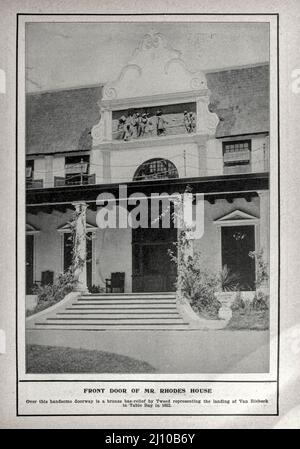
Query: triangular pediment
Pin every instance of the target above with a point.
(236, 215)
(67, 227)
(155, 68)
(30, 229)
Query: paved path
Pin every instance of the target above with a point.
(170, 352)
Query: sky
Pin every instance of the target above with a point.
(70, 55)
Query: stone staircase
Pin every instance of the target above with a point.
(125, 311)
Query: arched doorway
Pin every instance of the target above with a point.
(152, 267)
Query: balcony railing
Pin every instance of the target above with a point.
(81, 179)
(34, 183)
(236, 156)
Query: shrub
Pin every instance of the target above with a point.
(198, 286)
(96, 289)
(248, 305)
(260, 301)
(193, 282)
(49, 295)
(229, 281)
(202, 297)
(206, 306)
(262, 275)
(238, 302)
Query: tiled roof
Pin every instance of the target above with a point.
(240, 98)
(60, 121)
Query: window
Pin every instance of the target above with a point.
(29, 170)
(77, 170)
(32, 183)
(237, 156)
(156, 169)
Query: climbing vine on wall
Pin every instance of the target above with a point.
(262, 275)
(77, 260)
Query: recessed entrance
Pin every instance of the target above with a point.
(152, 267)
(237, 242)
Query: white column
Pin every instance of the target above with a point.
(214, 156)
(39, 171)
(80, 245)
(106, 166)
(202, 160)
(108, 124)
(96, 160)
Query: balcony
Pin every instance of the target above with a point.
(34, 183)
(74, 180)
(236, 157)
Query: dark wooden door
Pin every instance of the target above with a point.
(68, 250)
(29, 263)
(153, 269)
(68, 255)
(237, 242)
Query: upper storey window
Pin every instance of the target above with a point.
(154, 121)
(237, 156)
(29, 170)
(76, 172)
(77, 169)
(32, 183)
(156, 169)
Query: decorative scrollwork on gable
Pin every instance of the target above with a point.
(155, 40)
(198, 83)
(154, 69)
(109, 92)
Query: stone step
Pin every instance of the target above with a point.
(133, 295)
(126, 298)
(113, 327)
(141, 307)
(115, 316)
(121, 303)
(106, 321)
(132, 311)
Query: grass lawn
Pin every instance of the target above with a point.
(55, 359)
(249, 320)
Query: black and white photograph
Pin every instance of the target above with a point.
(149, 246)
(147, 197)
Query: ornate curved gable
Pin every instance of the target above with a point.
(154, 77)
(154, 69)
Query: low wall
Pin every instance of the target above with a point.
(30, 301)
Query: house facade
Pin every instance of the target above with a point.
(157, 129)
